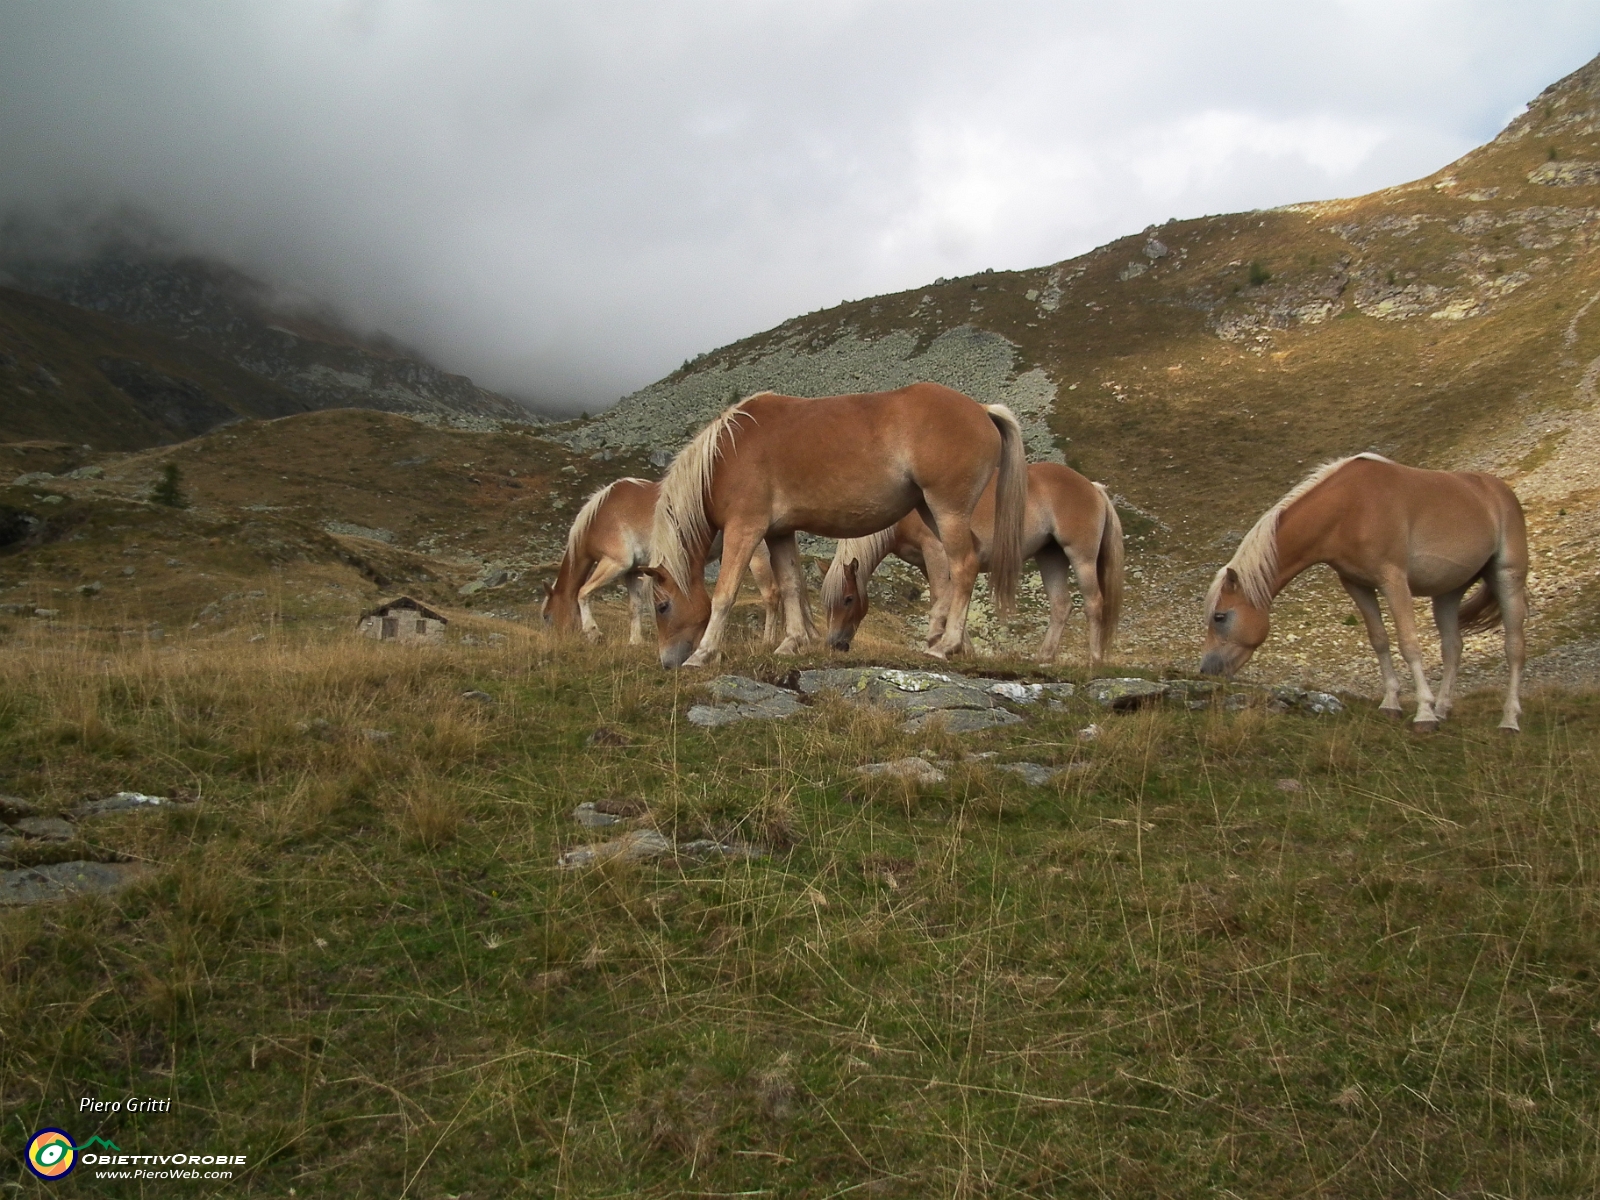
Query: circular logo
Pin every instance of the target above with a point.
(51, 1154)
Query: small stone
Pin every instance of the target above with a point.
(660, 459)
(636, 846)
(587, 816)
(378, 735)
(91, 589)
(45, 829)
(480, 697)
(34, 885)
(47, 613)
(913, 770)
(617, 807)
(706, 848)
(1124, 695)
(1289, 785)
(1033, 774)
(13, 808)
(121, 802)
(1237, 702)
(1089, 733)
(608, 737)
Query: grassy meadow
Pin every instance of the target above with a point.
(1226, 954)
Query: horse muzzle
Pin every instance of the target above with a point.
(839, 642)
(1215, 663)
(676, 655)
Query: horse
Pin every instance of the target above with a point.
(1069, 522)
(610, 540)
(1400, 530)
(840, 466)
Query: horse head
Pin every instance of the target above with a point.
(1234, 626)
(681, 616)
(848, 609)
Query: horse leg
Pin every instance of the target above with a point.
(1398, 594)
(771, 599)
(798, 630)
(639, 597)
(606, 571)
(737, 547)
(1367, 605)
(962, 552)
(1447, 616)
(937, 568)
(1053, 570)
(1513, 609)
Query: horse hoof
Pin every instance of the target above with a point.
(1394, 714)
(1511, 727)
(1424, 727)
(935, 652)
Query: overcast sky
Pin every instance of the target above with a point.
(565, 200)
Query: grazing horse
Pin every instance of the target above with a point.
(610, 540)
(1399, 530)
(1069, 521)
(840, 466)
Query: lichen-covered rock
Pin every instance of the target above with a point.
(961, 720)
(124, 802)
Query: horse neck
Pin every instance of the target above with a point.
(1301, 537)
(568, 578)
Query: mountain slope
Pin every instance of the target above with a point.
(304, 361)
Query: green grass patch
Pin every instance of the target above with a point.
(1221, 953)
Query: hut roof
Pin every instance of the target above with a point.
(403, 602)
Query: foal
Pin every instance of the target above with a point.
(610, 540)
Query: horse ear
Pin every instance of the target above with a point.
(549, 591)
(1230, 579)
(852, 568)
(656, 573)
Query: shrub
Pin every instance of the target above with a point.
(1258, 274)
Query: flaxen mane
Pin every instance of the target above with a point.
(1256, 560)
(873, 548)
(585, 517)
(680, 521)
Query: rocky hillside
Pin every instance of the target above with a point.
(1201, 367)
(200, 344)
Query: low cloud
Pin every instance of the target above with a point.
(565, 201)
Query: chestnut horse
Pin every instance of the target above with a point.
(840, 466)
(1399, 530)
(610, 540)
(1069, 521)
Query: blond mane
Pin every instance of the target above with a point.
(680, 519)
(1255, 562)
(586, 515)
(873, 548)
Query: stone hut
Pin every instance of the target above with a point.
(402, 620)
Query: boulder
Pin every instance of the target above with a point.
(1033, 774)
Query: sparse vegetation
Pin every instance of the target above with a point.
(1164, 973)
(1258, 274)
